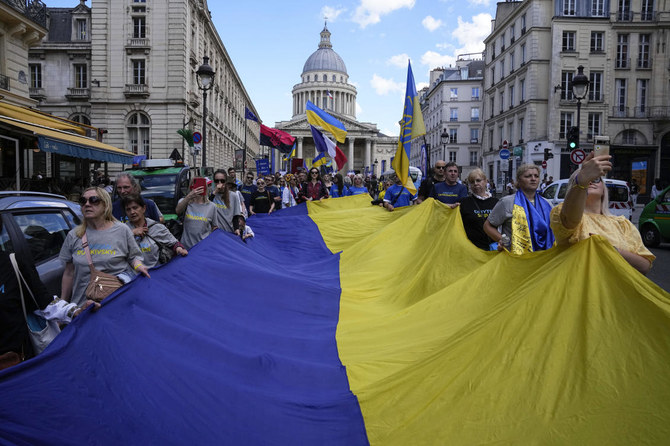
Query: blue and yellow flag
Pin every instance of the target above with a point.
(316, 116)
(320, 160)
(411, 126)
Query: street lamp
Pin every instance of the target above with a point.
(205, 82)
(445, 139)
(580, 87)
(374, 172)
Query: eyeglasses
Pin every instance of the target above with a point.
(440, 167)
(219, 180)
(314, 173)
(93, 199)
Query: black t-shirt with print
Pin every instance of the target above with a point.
(474, 213)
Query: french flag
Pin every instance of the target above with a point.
(329, 94)
(324, 144)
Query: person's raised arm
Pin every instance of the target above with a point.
(575, 200)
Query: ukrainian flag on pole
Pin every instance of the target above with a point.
(411, 126)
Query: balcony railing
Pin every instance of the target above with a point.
(647, 16)
(4, 82)
(474, 140)
(622, 64)
(138, 42)
(136, 90)
(644, 63)
(619, 111)
(37, 93)
(35, 10)
(658, 112)
(78, 93)
(453, 119)
(624, 16)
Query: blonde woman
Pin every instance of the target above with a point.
(111, 243)
(585, 212)
(199, 215)
(476, 208)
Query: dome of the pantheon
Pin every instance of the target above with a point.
(325, 59)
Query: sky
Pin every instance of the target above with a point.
(269, 42)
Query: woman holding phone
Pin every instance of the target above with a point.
(199, 213)
(585, 212)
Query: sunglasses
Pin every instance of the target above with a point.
(440, 167)
(596, 181)
(314, 173)
(94, 199)
(219, 180)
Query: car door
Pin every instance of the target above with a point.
(40, 234)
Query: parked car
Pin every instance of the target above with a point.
(655, 220)
(619, 195)
(34, 225)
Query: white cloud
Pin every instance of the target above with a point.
(385, 86)
(359, 109)
(399, 60)
(394, 132)
(444, 46)
(330, 13)
(434, 60)
(479, 2)
(471, 35)
(421, 85)
(369, 12)
(431, 24)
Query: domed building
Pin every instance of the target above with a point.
(325, 82)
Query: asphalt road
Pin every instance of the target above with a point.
(660, 272)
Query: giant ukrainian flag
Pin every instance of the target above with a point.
(411, 126)
(317, 332)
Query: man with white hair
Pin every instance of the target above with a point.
(126, 184)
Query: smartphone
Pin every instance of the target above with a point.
(200, 182)
(601, 145)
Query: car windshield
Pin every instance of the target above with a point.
(617, 192)
(161, 189)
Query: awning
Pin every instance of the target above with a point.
(31, 116)
(52, 140)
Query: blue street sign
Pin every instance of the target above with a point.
(263, 166)
(197, 137)
(504, 154)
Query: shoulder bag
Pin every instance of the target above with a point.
(100, 284)
(41, 331)
(165, 251)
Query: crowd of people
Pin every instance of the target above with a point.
(118, 240)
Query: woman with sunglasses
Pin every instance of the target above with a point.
(151, 232)
(199, 215)
(262, 201)
(314, 188)
(111, 243)
(585, 212)
(226, 201)
(358, 188)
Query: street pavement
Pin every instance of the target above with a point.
(660, 272)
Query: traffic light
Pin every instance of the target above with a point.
(548, 154)
(573, 138)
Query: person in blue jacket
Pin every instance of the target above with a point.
(450, 191)
(397, 195)
(338, 189)
(358, 187)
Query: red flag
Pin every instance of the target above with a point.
(276, 138)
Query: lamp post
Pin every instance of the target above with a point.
(205, 82)
(580, 87)
(376, 163)
(444, 137)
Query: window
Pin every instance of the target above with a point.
(596, 86)
(521, 121)
(501, 132)
(522, 90)
(568, 41)
(641, 107)
(502, 42)
(453, 114)
(511, 62)
(139, 27)
(493, 75)
(334, 78)
(629, 137)
(598, 8)
(502, 101)
(44, 233)
(139, 72)
(502, 69)
(568, 7)
(643, 60)
(473, 157)
(523, 54)
(491, 139)
(493, 51)
(624, 14)
(621, 93)
(474, 136)
(80, 76)
(566, 123)
(82, 33)
(622, 51)
(523, 24)
(510, 133)
(512, 36)
(35, 75)
(647, 12)
(566, 85)
(453, 136)
(139, 133)
(474, 114)
(452, 156)
(453, 93)
(594, 125)
(597, 38)
(475, 93)
(82, 119)
(511, 96)
(325, 78)
(492, 101)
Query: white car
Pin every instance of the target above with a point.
(619, 195)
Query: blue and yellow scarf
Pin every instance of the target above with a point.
(530, 225)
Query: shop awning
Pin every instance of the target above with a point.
(52, 140)
(31, 116)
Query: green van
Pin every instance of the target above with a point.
(655, 220)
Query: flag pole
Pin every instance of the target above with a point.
(244, 154)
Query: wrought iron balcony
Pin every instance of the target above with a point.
(136, 90)
(78, 93)
(34, 10)
(37, 93)
(644, 63)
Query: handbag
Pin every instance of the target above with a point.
(165, 252)
(40, 330)
(100, 285)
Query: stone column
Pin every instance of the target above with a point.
(299, 146)
(367, 152)
(350, 161)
